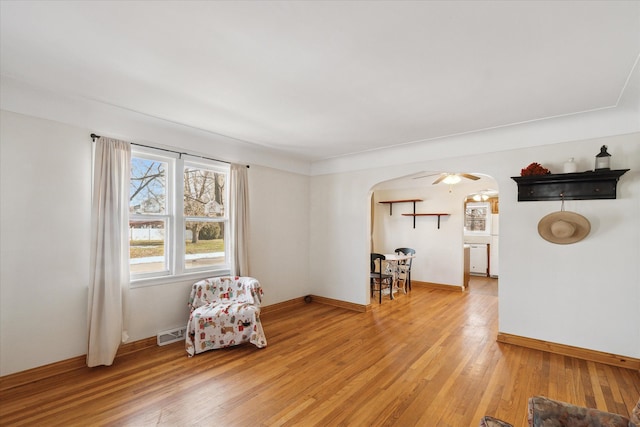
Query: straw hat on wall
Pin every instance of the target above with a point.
(564, 227)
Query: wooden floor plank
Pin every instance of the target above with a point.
(426, 358)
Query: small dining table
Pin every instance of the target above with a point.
(392, 260)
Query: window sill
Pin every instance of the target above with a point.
(187, 277)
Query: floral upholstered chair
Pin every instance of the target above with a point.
(225, 311)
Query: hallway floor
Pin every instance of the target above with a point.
(483, 285)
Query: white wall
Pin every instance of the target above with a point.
(586, 294)
(45, 178)
(44, 247)
(279, 248)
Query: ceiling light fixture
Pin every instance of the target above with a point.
(480, 197)
(452, 179)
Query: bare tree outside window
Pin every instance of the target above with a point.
(204, 211)
(476, 218)
(203, 197)
(178, 216)
(147, 211)
(147, 189)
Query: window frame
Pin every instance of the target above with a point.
(486, 218)
(175, 221)
(216, 167)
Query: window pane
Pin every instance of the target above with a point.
(147, 246)
(203, 193)
(204, 244)
(147, 190)
(476, 216)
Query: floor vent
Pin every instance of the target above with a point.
(173, 335)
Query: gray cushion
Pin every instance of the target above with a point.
(544, 412)
(635, 414)
(487, 421)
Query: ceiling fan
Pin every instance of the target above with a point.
(450, 178)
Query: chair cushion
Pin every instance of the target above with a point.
(544, 412)
(487, 421)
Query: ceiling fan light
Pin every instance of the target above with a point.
(480, 197)
(452, 179)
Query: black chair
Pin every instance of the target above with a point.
(378, 277)
(405, 266)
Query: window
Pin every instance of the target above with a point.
(477, 218)
(178, 216)
(149, 216)
(204, 214)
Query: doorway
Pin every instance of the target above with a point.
(438, 240)
(481, 232)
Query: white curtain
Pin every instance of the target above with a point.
(239, 190)
(109, 285)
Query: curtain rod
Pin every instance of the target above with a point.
(94, 137)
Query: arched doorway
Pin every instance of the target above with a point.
(427, 217)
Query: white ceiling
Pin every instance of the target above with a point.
(324, 79)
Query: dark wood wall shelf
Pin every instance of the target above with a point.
(414, 215)
(569, 186)
(391, 202)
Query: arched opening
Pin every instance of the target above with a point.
(426, 213)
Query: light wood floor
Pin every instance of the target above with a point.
(429, 358)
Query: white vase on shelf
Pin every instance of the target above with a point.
(570, 166)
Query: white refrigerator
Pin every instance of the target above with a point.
(493, 251)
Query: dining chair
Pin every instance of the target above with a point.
(405, 266)
(378, 277)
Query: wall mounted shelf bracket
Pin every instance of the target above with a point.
(414, 215)
(391, 202)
